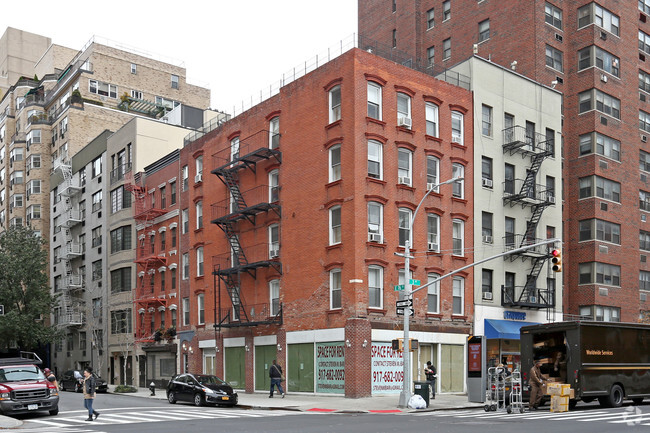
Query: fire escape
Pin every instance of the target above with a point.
(71, 303)
(145, 300)
(527, 193)
(238, 213)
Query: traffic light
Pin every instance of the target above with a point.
(413, 344)
(556, 260)
(398, 345)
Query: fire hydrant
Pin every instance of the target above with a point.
(152, 388)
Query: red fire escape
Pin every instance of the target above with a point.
(145, 299)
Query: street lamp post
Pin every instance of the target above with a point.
(405, 395)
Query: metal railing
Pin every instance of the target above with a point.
(261, 194)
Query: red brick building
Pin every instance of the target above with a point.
(596, 54)
(290, 218)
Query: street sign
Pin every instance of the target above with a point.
(404, 303)
(399, 287)
(415, 282)
(409, 311)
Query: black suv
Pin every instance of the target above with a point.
(72, 380)
(24, 388)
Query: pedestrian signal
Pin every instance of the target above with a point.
(398, 345)
(556, 260)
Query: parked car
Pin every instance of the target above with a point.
(72, 380)
(24, 388)
(200, 389)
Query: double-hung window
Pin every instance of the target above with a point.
(375, 157)
(458, 187)
(199, 214)
(431, 117)
(375, 287)
(458, 237)
(483, 30)
(404, 164)
(274, 296)
(433, 230)
(335, 289)
(274, 133)
(554, 58)
(374, 100)
(404, 224)
(486, 121)
(199, 262)
(433, 294)
(335, 225)
(335, 103)
(335, 163)
(457, 127)
(553, 15)
(433, 173)
(403, 110)
(458, 296)
(375, 222)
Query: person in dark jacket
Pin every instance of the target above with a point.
(89, 387)
(431, 374)
(275, 373)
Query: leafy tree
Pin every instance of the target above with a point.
(24, 290)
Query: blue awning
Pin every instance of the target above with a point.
(507, 329)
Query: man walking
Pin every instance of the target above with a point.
(89, 387)
(275, 373)
(430, 373)
(536, 382)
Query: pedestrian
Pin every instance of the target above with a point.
(89, 393)
(536, 382)
(430, 373)
(51, 377)
(275, 373)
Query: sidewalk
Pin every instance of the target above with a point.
(308, 403)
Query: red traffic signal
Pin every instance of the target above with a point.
(556, 260)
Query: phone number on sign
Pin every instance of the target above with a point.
(388, 376)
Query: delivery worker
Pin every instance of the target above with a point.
(536, 382)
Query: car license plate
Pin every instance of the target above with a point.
(32, 406)
(225, 398)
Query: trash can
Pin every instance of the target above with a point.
(422, 389)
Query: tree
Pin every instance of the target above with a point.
(24, 290)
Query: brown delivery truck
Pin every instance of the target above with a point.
(600, 360)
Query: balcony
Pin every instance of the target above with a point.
(251, 150)
(252, 257)
(517, 139)
(260, 199)
(72, 318)
(70, 187)
(513, 241)
(66, 75)
(254, 315)
(517, 190)
(73, 281)
(521, 297)
(71, 218)
(72, 250)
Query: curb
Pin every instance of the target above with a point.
(8, 422)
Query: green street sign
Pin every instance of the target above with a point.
(399, 287)
(415, 282)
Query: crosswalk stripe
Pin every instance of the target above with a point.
(633, 418)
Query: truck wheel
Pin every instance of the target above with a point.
(615, 398)
(637, 401)
(54, 412)
(487, 408)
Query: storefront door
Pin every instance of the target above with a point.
(300, 371)
(264, 356)
(235, 364)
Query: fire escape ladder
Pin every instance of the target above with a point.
(232, 282)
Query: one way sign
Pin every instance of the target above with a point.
(409, 311)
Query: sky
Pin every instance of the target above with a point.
(236, 48)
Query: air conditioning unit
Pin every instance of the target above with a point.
(432, 246)
(405, 122)
(431, 186)
(644, 138)
(198, 178)
(603, 78)
(487, 183)
(374, 237)
(455, 139)
(404, 180)
(487, 296)
(550, 199)
(487, 239)
(274, 254)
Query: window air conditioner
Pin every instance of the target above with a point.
(374, 237)
(432, 246)
(644, 138)
(274, 254)
(198, 178)
(487, 296)
(431, 186)
(487, 183)
(487, 239)
(404, 180)
(603, 78)
(550, 199)
(455, 139)
(405, 122)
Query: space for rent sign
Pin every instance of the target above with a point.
(387, 369)
(330, 364)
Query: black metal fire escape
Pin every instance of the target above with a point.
(528, 194)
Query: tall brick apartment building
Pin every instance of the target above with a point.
(290, 218)
(596, 54)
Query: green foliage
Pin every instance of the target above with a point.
(24, 290)
(125, 388)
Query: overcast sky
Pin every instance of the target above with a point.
(236, 48)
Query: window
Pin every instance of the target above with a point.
(446, 49)
(433, 230)
(134, 68)
(374, 100)
(644, 121)
(483, 31)
(458, 237)
(274, 241)
(404, 163)
(593, 13)
(486, 281)
(185, 221)
(433, 294)
(458, 187)
(186, 311)
(375, 157)
(644, 200)
(596, 56)
(33, 137)
(404, 224)
(172, 187)
(97, 201)
(644, 6)
(446, 10)
(16, 154)
(121, 239)
(486, 227)
(457, 127)
(199, 214)
(431, 115)
(34, 212)
(121, 322)
(121, 280)
(604, 145)
(274, 133)
(185, 176)
(375, 222)
(102, 89)
(174, 81)
(486, 172)
(335, 103)
(16, 200)
(97, 167)
(403, 109)
(601, 230)
(136, 94)
(554, 58)
(274, 186)
(486, 124)
(335, 163)
(97, 270)
(644, 280)
(173, 235)
(163, 197)
(119, 199)
(274, 296)
(599, 273)
(550, 189)
(234, 149)
(553, 15)
(644, 161)
(458, 296)
(96, 236)
(604, 103)
(186, 266)
(433, 173)
(199, 262)
(644, 84)
(33, 187)
(430, 19)
(375, 286)
(335, 225)
(604, 188)
(16, 177)
(173, 278)
(431, 56)
(34, 161)
(335, 289)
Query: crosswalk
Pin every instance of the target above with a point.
(630, 415)
(75, 421)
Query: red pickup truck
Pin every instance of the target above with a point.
(24, 388)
